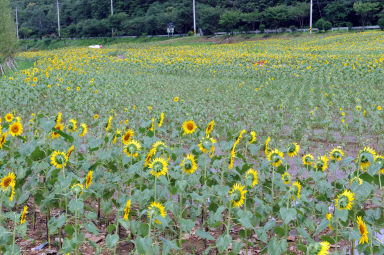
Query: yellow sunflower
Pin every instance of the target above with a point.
(23, 216)
(70, 151)
(189, 127)
(231, 159)
(324, 250)
(16, 129)
(364, 156)
(72, 125)
(109, 124)
(308, 160)
(8, 117)
(83, 129)
(176, 99)
(275, 157)
(363, 230)
(286, 177)
(159, 146)
(77, 188)
(96, 116)
(161, 119)
(8, 181)
(59, 159)
(88, 179)
(155, 210)
(127, 209)
(237, 195)
(132, 149)
(356, 179)
(3, 139)
(159, 167)
(151, 153)
(127, 136)
(293, 149)
(209, 128)
(189, 164)
(59, 126)
(336, 154)
(379, 159)
(251, 176)
(321, 163)
(267, 150)
(207, 145)
(344, 200)
(252, 137)
(58, 118)
(329, 218)
(296, 190)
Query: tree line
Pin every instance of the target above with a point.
(91, 18)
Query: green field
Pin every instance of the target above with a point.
(298, 125)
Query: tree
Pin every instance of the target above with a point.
(323, 25)
(8, 38)
(276, 16)
(299, 11)
(337, 13)
(230, 19)
(365, 10)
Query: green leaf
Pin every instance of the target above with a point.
(304, 234)
(76, 205)
(90, 227)
(143, 244)
(186, 225)
(69, 229)
(168, 245)
(236, 247)
(287, 214)
(112, 240)
(328, 238)
(222, 243)
(204, 235)
(276, 247)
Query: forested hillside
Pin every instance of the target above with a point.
(86, 18)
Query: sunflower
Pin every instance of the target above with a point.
(159, 167)
(96, 116)
(189, 164)
(251, 177)
(209, 128)
(23, 215)
(59, 126)
(308, 160)
(127, 209)
(70, 151)
(3, 139)
(155, 210)
(127, 137)
(329, 218)
(296, 190)
(16, 129)
(8, 181)
(275, 157)
(379, 159)
(159, 146)
(356, 179)
(161, 119)
(58, 118)
(151, 153)
(152, 128)
(321, 163)
(88, 179)
(207, 145)
(77, 188)
(176, 99)
(118, 132)
(336, 154)
(8, 117)
(84, 130)
(344, 200)
(321, 248)
(267, 150)
(189, 127)
(252, 138)
(363, 230)
(293, 149)
(364, 156)
(231, 159)
(109, 124)
(59, 159)
(238, 195)
(72, 125)
(132, 149)
(286, 177)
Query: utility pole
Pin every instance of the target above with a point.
(310, 18)
(58, 17)
(17, 25)
(112, 13)
(194, 17)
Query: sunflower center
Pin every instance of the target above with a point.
(236, 195)
(188, 164)
(275, 158)
(132, 148)
(127, 137)
(15, 128)
(336, 155)
(291, 148)
(7, 181)
(158, 166)
(190, 126)
(59, 159)
(363, 159)
(362, 230)
(343, 201)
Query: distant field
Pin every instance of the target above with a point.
(306, 113)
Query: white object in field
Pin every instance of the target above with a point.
(96, 46)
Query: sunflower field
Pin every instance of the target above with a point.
(267, 147)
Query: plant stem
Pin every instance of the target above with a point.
(1, 205)
(14, 235)
(155, 186)
(273, 177)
